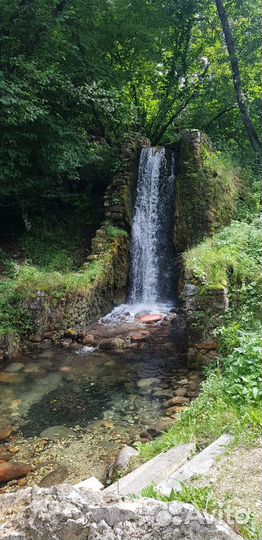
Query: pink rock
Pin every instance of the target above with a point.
(150, 319)
(141, 336)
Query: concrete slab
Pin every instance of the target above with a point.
(197, 466)
(155, 470)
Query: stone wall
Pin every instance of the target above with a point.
(206, 190)
(119, 197)
(203, 308)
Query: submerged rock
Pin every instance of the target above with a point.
(57, 476)
(10, 470)
(124, 457)
(54, 433)
(112, 343)
(5, 429)
(139, 336)
(11, 378)
(15, 367)
(74, 513)
(145, 383)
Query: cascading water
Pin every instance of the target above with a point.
(153, 272)
(152, 252)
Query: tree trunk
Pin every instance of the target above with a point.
(242, 103)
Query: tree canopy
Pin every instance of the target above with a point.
(79, 75)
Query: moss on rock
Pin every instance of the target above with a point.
(206, 190)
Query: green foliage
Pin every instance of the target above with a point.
(232, 254)
(202, 498)
(230, 400)
(242, 369)
(115, 232)
(76, 77)
(28, 279)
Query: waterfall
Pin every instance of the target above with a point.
(153, 274)
(152, 251)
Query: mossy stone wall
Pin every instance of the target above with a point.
(206, 191)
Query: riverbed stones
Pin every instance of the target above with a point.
(71, 513)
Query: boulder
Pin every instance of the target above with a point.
(124, 457)
(67, 512)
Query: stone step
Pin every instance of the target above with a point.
(155, 470)
(198, 465)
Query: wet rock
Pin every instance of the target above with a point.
(163, 393)
(66, 343)
(139, 336)
(124, 457)
(5, 455)
(65, 369)
(112, 343)
(89, 340)
(5, 429)
(182, 382)
(57, 476)
(161, 425)
(10, 470)
(10, 378)
(178, 400)
(55, 433)
(180, 391)
(173, 411)
(15, 367)
(145, 383)
(151, 319)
